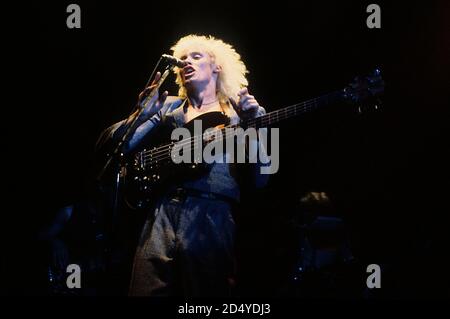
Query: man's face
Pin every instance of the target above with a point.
(199, 71)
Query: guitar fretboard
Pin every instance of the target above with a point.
(292, 111)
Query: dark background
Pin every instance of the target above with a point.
(385, 171)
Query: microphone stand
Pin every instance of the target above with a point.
(117, 154)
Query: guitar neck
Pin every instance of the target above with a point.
(293, 110)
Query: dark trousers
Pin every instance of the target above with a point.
(186, 249)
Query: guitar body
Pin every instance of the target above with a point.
(151, 171)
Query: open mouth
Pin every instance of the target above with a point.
(188, 71)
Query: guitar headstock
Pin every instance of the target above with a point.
(365, 92)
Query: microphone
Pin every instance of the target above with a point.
(174, 61)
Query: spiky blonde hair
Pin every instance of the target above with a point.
(232, 77)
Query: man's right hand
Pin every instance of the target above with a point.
(156, 102)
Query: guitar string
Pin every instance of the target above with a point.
(181, 144)
(161, 152)
(148, 160)
(158, 153)
(264, 120)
